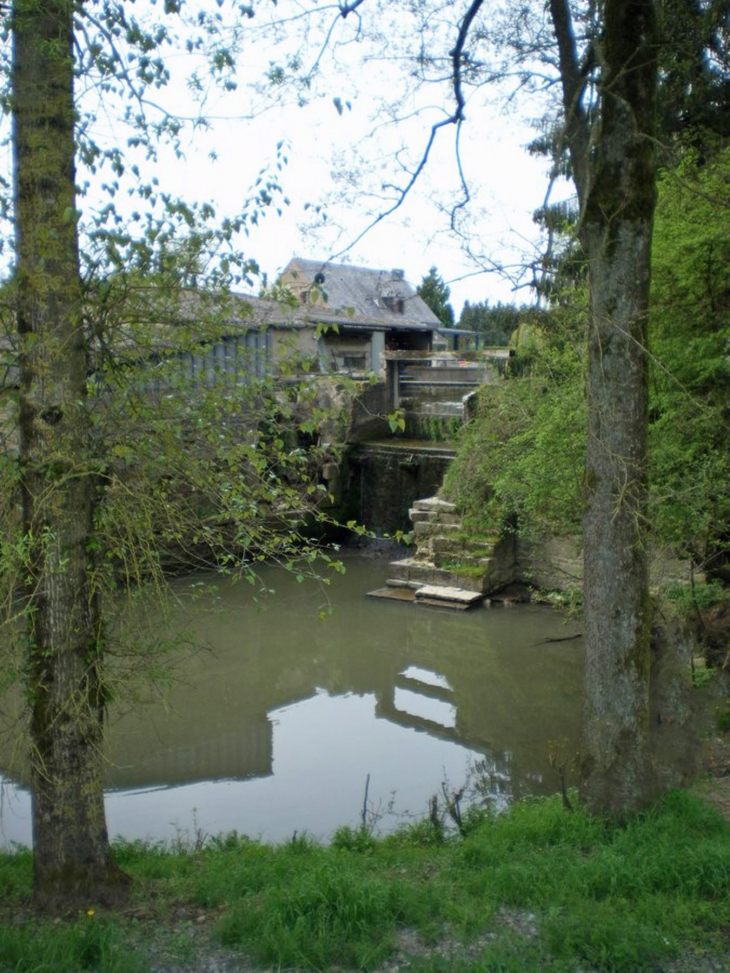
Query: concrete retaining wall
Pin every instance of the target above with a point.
(556, 563)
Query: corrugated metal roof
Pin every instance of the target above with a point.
(356, 298)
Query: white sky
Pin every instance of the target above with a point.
(507, 185)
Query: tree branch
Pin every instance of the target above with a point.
(458, 59)
(574, 79)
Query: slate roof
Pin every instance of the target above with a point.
(363, 295)
(356, 299)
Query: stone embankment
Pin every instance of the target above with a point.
(452, 567)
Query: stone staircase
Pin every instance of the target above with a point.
(451, 567)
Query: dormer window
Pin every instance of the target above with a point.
(393, 303)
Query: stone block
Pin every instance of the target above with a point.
(447, 596)
(418, 516)
(427, 528)
(448, 545)
(469, 582)
(435, 504)
(444, 517)
(481, 546)
(399, 570)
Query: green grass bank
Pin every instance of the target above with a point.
(536, 888)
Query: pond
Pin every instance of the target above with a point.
(278, 724)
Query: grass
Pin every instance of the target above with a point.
(536, 888)
(467, 570)
(85, 944)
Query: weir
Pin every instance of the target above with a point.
(384, 474)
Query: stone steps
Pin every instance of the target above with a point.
(417, 573)
(434, 505)
(450, 568)
(425, 529)
(436, 518)
(448, 559)
(455, 544)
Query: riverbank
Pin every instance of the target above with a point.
(535, 888)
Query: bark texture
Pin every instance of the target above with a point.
(614, 167)
(72, 864)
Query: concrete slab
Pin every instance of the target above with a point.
(435, 504)
(438, 603)
(393, 594)
(442, 593)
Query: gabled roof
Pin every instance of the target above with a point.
(358, 294)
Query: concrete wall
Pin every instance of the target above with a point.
(382, 483)
(556, 563)
(348, 353)
(344, 352)
(293, 343)
(369, 408)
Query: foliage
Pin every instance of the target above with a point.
(621, 897)
(497, 324)
(89, 943)
(330, 912)
(520, 460)
(688, 405)
(435, 293)
(199, 463)
(146, 440)
(435, 428)
(694, 85)
(527, 440)
(685, 598)
(354, 839)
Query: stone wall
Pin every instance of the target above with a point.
(556, 563)
(381, 483)
(369, 408)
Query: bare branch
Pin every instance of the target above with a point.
(458, 59)
(574, 80)
(347, 8)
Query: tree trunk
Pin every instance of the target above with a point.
(614, 168)
(72, 864)
(616, 232)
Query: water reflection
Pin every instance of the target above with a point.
(426, 677)
(422, 712)
(277, 726)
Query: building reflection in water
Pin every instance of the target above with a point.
(255, 723)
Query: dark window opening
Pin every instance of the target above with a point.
(394, 303)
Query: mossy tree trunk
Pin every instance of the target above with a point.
(73, 867)
(613, 163)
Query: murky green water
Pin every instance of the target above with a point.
(277, 726)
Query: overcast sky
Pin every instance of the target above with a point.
(334, 156)
(344, 159)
